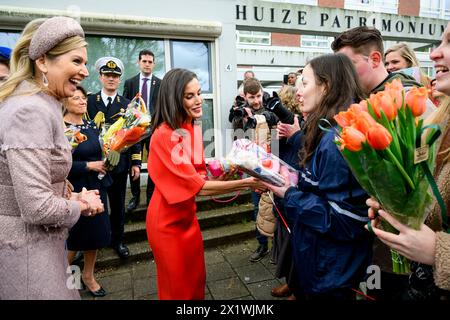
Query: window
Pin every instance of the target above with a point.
(125, 49)
(308, 41)
(385, 6)
(195, 56)
(9, 39)
(253, 37)
(435, 8)
(207, 124)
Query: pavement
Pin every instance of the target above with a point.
(230, 276)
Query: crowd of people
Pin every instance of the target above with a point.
(57, 202)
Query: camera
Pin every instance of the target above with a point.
(274, 105)
(238, 109)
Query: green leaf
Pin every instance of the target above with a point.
(354, 160)
(407, 207)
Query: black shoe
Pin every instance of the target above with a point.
(122, 250)
(132, 205)
(259, 253)
(99, 293)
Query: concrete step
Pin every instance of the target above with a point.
(211, 238)
(203, 204)
(135, 231)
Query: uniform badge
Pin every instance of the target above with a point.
(111, 64)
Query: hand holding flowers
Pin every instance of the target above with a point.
(382, 139)
(132, 127)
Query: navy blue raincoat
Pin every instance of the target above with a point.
(331, 247)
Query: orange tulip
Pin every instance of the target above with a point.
(363, 105)
(395, 84)
(346, 118)
(416, 99)
(383, 101)
(352, 139)
(364, 122)
(379, 137)
(343, 119)
(395, 89)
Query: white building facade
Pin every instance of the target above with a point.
(220, 39)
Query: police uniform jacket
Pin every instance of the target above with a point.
(95, 104)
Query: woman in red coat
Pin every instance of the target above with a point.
(178, 170)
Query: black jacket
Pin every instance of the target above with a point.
(131, 88)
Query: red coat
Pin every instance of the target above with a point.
(177, 167)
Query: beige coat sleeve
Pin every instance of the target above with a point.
(442, 261)
(30, 145)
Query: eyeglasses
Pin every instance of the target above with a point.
(76, 98)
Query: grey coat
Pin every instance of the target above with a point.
(35, 159)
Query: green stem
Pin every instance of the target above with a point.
(400, 168)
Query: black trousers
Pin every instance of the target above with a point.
(116, 197)
(136, 184)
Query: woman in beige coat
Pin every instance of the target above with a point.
(36, 203)
(429, 245)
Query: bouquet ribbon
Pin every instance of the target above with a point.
(430, 177)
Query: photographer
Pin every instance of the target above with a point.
(244, 109)
(248, 112)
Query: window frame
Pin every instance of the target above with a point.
(240, 35)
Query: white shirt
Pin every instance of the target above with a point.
(105, 97)
(149, 84)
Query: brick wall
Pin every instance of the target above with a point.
(283, 39)
(331, 3)
(409, 7)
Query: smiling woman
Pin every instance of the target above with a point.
(37, 205)
(179, 172)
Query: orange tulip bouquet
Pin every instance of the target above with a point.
(132, 127)
(391, 153)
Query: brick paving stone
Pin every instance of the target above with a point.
(218, 271)
(228, 289)
(255, 272)
(116, 282)
(144, 286)
(230, 275)
(261, 290)
(144, 269)
(213, 256)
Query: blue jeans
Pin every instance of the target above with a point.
(262, 239)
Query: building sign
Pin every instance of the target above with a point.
(294, 18)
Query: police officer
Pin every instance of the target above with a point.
(108, 104)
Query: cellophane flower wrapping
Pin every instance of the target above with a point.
(74, 136)
(381, 154)
(218, 167)
(132, 127)
(252, 159)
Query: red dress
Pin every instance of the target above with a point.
(176, 165)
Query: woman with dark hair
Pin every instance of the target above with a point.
(178, 170)
(331, 248)
(90, 233)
